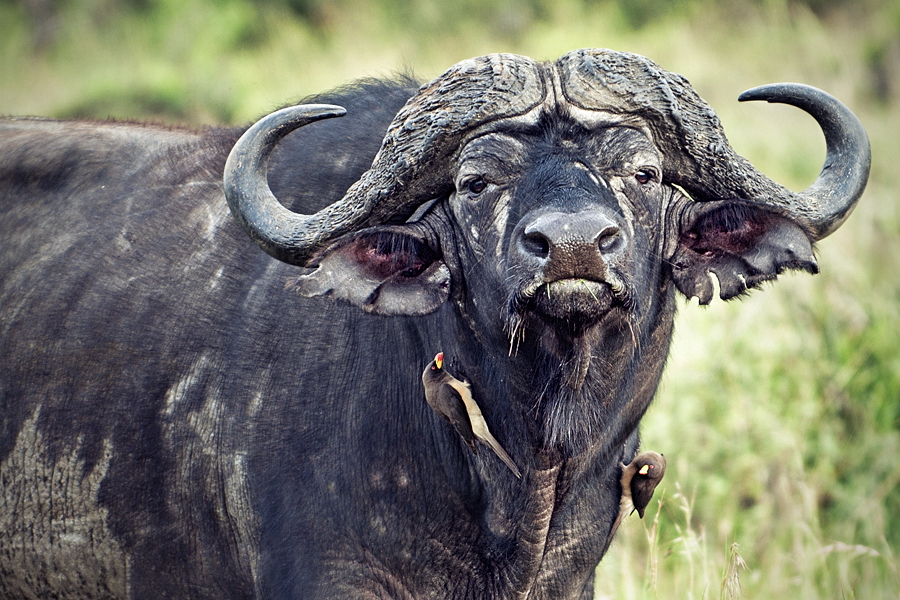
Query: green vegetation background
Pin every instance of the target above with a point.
(779, 413)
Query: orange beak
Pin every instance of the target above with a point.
(439, 360)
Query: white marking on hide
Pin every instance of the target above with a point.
(207, 445)
(121, 242)
(216, 279)
(206, 219)
(239, 504)
(255, 406)
(53, 533)
(590, 173)
(178, 392)
(9, 319)
(73, 538)
(378, 525)
(624, 204)
(257, 296)
(213, 221)
(618, 186)
(500, 219)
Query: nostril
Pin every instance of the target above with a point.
(609, 240)
(537, 244)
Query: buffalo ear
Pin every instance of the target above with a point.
(389, 270)
(742, 244)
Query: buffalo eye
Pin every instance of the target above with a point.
(643, 177)
(476, 186)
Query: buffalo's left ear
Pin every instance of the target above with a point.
(743, 244)
(387, 270)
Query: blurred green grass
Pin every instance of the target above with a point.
(779, 413)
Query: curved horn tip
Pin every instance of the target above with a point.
(314, 111)
(279, 231)
(780, 92)
(762, 92)
(848, 153)
(283, 121)
(260, 138)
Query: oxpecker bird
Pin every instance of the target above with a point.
(639, 479)
(452, 399)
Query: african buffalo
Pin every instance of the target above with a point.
(184, 417)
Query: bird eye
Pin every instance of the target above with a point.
(476, 186)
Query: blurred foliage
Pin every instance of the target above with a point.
(779, 413)
(195, 59)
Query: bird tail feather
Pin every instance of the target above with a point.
(494, 445)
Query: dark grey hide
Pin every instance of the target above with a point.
(178, 422)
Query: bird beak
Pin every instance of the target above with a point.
(644, 470)
(439, 360)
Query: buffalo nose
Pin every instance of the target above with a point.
(575, 243)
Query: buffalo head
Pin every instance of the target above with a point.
(556, 203)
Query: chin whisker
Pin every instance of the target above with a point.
(517, 336)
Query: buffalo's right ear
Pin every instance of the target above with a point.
(386, 270)
(743, 244)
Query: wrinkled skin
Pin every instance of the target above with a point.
(179, 422)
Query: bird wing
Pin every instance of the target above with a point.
(641, 493)
(448, 403)
(479, 425)
(644, 483)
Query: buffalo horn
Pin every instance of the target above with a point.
(826, 204)
(413, 163)
(411, 167)
(276, 229)
(696, 153)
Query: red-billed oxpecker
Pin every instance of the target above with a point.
(452, 399)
